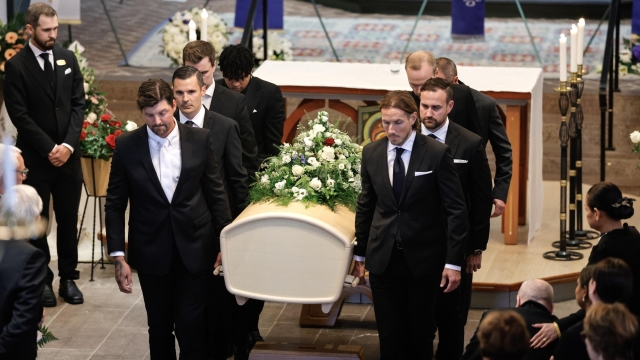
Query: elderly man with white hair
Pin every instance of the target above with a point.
(22, 273)
(21, 170)
(534, 303)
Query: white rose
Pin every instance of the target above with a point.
(324, 118)
(264, 179)
(341, 166)
(92, 117)
(130, 126)
(330, 182)
(635, 137)
(280, 185)
(328, 153)
(338, 142)
(315, 183)
(286, 159)
(297, 170)
(318, 128)
(313, 162)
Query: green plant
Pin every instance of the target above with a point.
(98, 137)
(45, 336)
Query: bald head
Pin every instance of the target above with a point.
(420, 67)
(447, 69)
(536, 290)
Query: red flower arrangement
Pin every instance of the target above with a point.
(329, 141)
(98, 138)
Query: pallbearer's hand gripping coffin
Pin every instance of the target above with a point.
(288, 254)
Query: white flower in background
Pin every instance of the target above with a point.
(130, 126)
(295, 189)
(308, 153)
(341, 166)
(264, 179)
(313, 162)
(342, 157)
(328, 153)
(315, 183)
(330, 182)
(301, 194)
(92, 117)
(338, 142)
(286, 159)
(324, 117)
(297, 170)
(308, 142)
(280, 185)
(350, 174)
(86, 87)
(318, 128)
(286, 145)
(635, 137)
(328, 134)
(625, 55)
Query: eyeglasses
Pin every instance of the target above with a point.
(23, 172)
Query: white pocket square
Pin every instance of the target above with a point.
(254, 110)
(420, 173)
(460, 161)
(68, 71)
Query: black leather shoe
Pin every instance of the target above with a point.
(255, 337)
(70, 292)
(49, 297)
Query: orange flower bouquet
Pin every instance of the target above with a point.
(12, 40)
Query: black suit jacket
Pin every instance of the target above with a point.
(44, 118)
(193, 219)
(22, 277)
(228, 149)
(430, 203)
(533, 313)
(234, 105)
(265, 105)
(470, 161)
(493, 130)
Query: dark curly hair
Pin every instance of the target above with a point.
(236, 62)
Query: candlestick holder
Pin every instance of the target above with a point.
(563, 254)
(572, 242)
(580, 233)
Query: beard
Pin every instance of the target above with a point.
(44, 45)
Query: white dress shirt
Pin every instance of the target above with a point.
(167, 161)
(406, 156)
(441, 134)
(37, 52)
(208, 95)
(198, 119)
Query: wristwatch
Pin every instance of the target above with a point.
(477, 252)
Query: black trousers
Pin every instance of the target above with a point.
(466, 284)
(450, 325)
(404, 307)
(64, 184)
(175, 303)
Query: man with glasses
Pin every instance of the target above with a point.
(21, 170)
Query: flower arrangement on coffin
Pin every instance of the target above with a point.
(279, 48)
(630, 55)
(321, 166)
(635, 139)
(175, 35)
(12, 39)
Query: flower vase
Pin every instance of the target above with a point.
(95, 173)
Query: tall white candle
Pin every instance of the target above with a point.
(580, 40)
(192, 31)
(204, 17)
(574, 48)
(563, 58)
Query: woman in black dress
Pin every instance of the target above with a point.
(605, 208)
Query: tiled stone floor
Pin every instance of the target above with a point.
(112, 325)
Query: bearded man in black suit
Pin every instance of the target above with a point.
(168, 174)
(411, 226)
(202, 55)
(471, 164)
(45, 100)
(265, 103)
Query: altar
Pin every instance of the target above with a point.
(518, 89)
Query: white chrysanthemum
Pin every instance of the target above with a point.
(264, 179)
(286, 158)
(280, 185)
(315, 183)
(297, 170)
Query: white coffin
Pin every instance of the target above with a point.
(288, 254)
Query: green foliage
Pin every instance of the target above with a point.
(321, 166)
(47, 336)
(12, 39)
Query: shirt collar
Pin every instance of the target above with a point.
(172, 138)
(210, 89)
(37, 51)
(441, 133)
(198, 119)
(407, 146)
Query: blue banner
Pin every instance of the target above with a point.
(635, 18)
(467, 17)
(275, 11)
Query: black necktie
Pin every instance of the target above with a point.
(398, 174)
(433, 136)
(48, 69)
(190, 123)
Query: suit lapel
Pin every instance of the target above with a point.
(59, 70)
(452, 139)
(253, 94)
(208, 120)
(383, 168)
(145, 155)
(417, 153)
(34, 67)
(186, 153)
